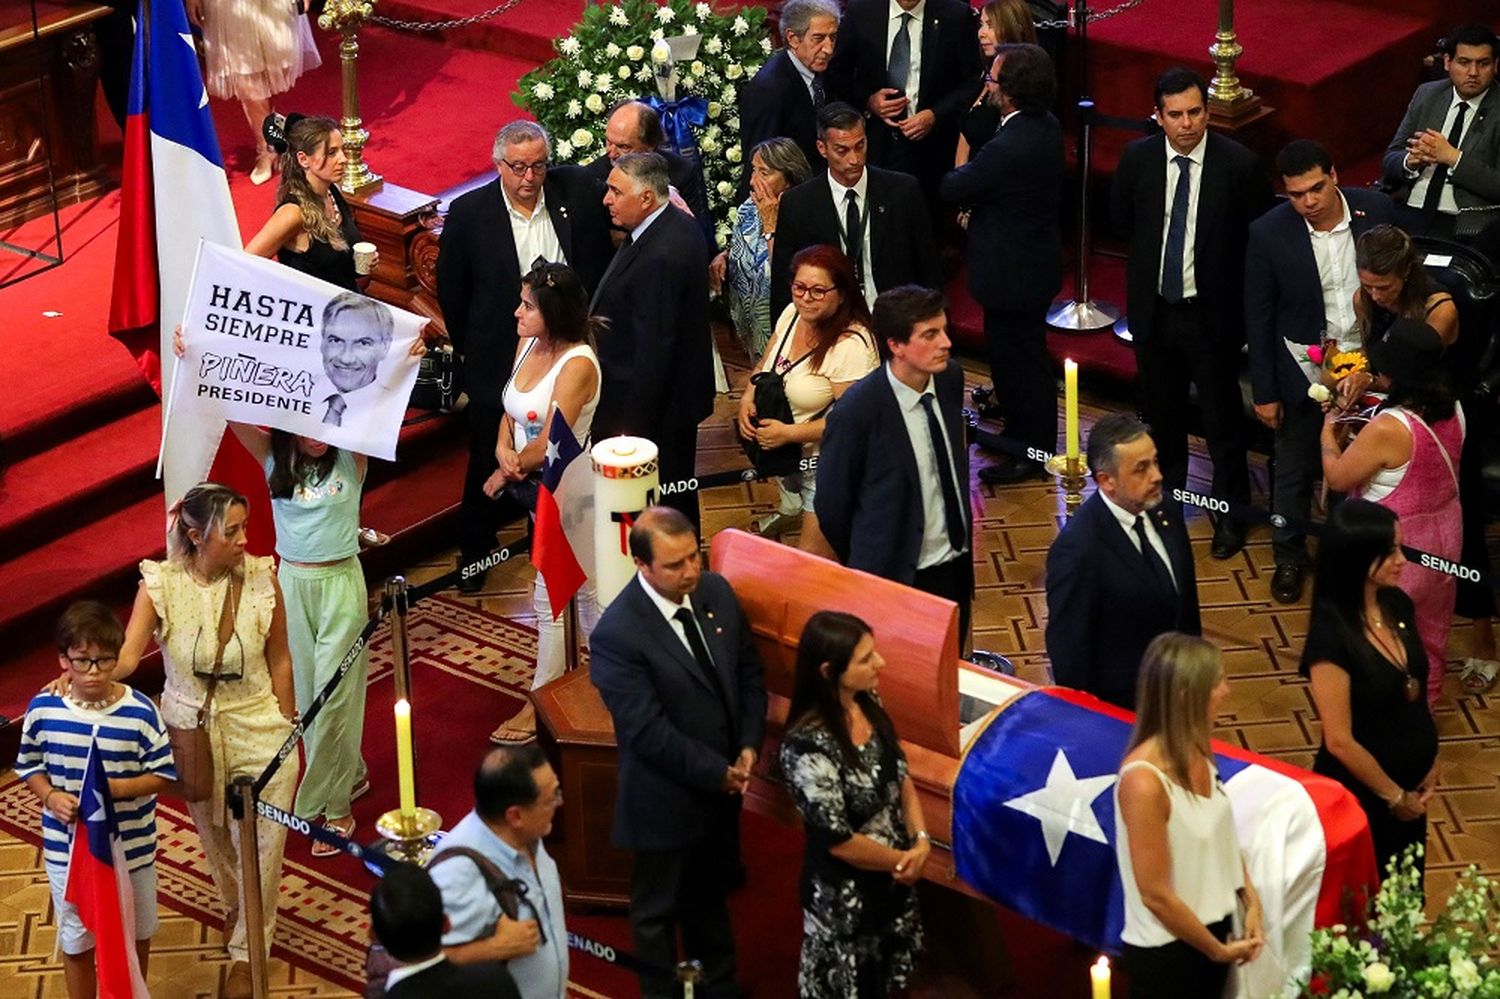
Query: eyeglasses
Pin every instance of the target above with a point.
(811, 292)
(522, 169)
(88, 664)
(204, 647)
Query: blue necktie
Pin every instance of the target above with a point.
(900, 64)
(1171, 263)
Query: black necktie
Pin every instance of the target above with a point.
(1171, 263)
(953, 511)
(819, 95)
(854, 238)
(335, 413)
(1440, 175)
(684, 617)
(1154, 564)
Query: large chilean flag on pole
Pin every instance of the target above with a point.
(552, 550)
(174, 191)
(98, 883)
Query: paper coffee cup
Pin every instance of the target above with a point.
(364, 257)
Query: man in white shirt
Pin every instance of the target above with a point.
(1444, 161)
(1299, 287)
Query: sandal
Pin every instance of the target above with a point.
(774, 525)
(507, 736)
(343, 827)
(1478, 675)
(371, 538)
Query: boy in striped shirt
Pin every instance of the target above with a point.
(137, 756)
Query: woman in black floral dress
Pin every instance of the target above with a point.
(866, 841)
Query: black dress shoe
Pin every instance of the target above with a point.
(1229, 538)
(469, 584)
(1009, 471)
(1286, 584)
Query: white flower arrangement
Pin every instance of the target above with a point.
(1398, 952)
(607, 56)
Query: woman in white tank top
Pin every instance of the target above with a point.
(556, 374)
(1175, 838)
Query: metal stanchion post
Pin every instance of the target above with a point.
(395, 602)
(242, 808)
(689, 973)
(1080, 314)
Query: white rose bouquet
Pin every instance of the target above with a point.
(609, 53)
(1400, 953)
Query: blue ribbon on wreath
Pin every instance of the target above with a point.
(678, 119)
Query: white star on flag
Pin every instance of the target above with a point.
(188, 38)
(1064, 805)
(98, 813)
(552, 454)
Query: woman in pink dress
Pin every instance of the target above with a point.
(1406, 459)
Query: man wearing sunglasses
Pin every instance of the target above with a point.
(493, 235)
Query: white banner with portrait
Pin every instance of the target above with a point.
(271, 346)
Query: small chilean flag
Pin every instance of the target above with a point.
(98, 883)
(551, 552)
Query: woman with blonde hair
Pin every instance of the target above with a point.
(1178, 849)
(219, 618)
(1001, 22)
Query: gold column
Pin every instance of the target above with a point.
(346, 17)
(1225, 94)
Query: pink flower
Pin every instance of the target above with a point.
(1315, 354)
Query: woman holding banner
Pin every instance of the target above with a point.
(1178, 849)
(556, 376)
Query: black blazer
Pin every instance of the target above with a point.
(951, 64)
(446, 980)
(1014, 189)
(656, 357)
(682, 173)
(1232, 193)
(1284, 295)
(1103, 608)
(479, 276)
(869, 498)
(902, 250)
(1476, 179)
(675, 738)
(776, 103)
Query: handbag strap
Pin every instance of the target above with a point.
(509, 892)
(227, 615)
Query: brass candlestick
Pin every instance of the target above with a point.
(346, 17)
(1226, 95)
(409, 840)
(1070, 472)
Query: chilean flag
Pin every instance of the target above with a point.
(98, 883)
(174, 192)
(1034, 829)
(551, 551)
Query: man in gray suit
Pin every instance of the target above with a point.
(1444, 162)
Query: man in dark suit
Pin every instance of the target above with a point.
(674, 663)
(1445, 157)
(406, 916)
(893, 470)
(893, 245)
(1121, 571)
(1013, 189)
(784, 97)
(1186, 199)
(492, 237)
(635, 127)
(657, 360)
(1299, 289)
(913, 65)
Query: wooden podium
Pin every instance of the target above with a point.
(578, 737)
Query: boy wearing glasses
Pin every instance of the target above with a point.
(55, 738)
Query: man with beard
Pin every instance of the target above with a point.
(1121, 572)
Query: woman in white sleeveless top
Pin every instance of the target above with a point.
(1175, 837)
(556, 374)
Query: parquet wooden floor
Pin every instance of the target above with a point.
(1269, 709)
